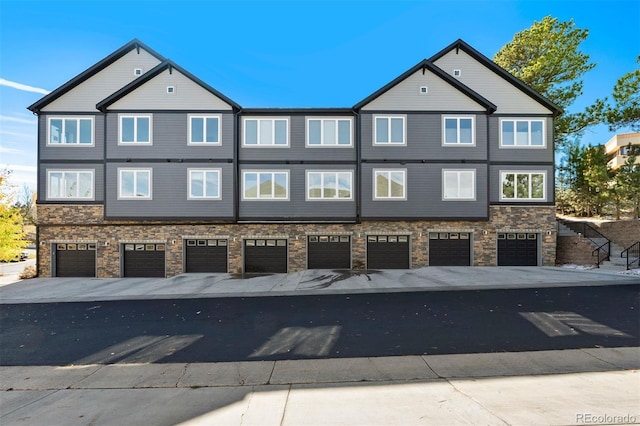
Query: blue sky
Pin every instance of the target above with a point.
(281, 54)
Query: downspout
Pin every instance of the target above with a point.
(488, 115)
(358, 165)
(236, 165)
(38, 196)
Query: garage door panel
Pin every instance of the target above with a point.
(388, 252)
(449, 249)
(517, 249)
(206, 256)
(144, 261)
(265, 256)
(75, 260)
(329, 252)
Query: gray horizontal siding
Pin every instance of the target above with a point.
(170, 193)
(98, 179)
(424, 193)
(297, 150)
(71, 152)
(424, 140)
(170, 139)
(297, 206)
(494, 180)
(524, 155)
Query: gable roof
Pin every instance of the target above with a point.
(519, 84)
(427, 65)
(90, 72)
(158, 69)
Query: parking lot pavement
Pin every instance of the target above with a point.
(306, 282)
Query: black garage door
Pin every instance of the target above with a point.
(75, 260)
(143, 260)
(449, 249)
(388, 252)
(329, 252)
(208, 255)
(265, 256)
(517, 249)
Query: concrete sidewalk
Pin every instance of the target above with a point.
(528, 388)
(309, 282)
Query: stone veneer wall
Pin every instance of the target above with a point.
(85, 223)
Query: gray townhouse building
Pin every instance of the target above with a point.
(144, 170)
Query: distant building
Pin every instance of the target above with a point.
(619, 147)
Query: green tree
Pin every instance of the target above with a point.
(625, 112)
(547, 58)
(11, 226)
(627, 184)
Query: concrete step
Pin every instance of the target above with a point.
(565, 231)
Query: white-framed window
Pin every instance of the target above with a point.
(70, 184)
(204, 129)
(523, 185)
(331, 132)
(389, 184)
(389, 130)
(135, 129)
(329, 185)
(266, 132)
(265, 185)
(522, 133)
(70, 131)
(204, 184)
(459, 185)
(458, 131)
(134, 184)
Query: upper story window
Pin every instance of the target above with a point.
(522, 133)
(70, 131)
(333, 132)
(204, 129)
(134, 184)
(389, 130)
(265, 185)
(265, 132)
(135, 129)
(325, 185)
(523, 186)
(458, 185)
(389, 184)
(204, 184)
(458, 131)
(70, 184)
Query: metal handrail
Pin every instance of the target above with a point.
(588, 231)
(634, 250)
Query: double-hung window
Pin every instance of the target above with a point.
(70, 184)
(134, 184)
(522, 133)
(135, 129)
(329, 185)
(265, 185)
(70, 131)
(204, 184)
(458, 131)
(266, 132)
(522, 186)
(389, 184)
(204, 129)
(459, 185)
(332, 132)
(389, 130)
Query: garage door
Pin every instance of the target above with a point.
(449, 249)
(265, 256)
(388, 252)
(206, 255)
(329, 252)
(75, 260)
(517, 249)
(143, 260)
